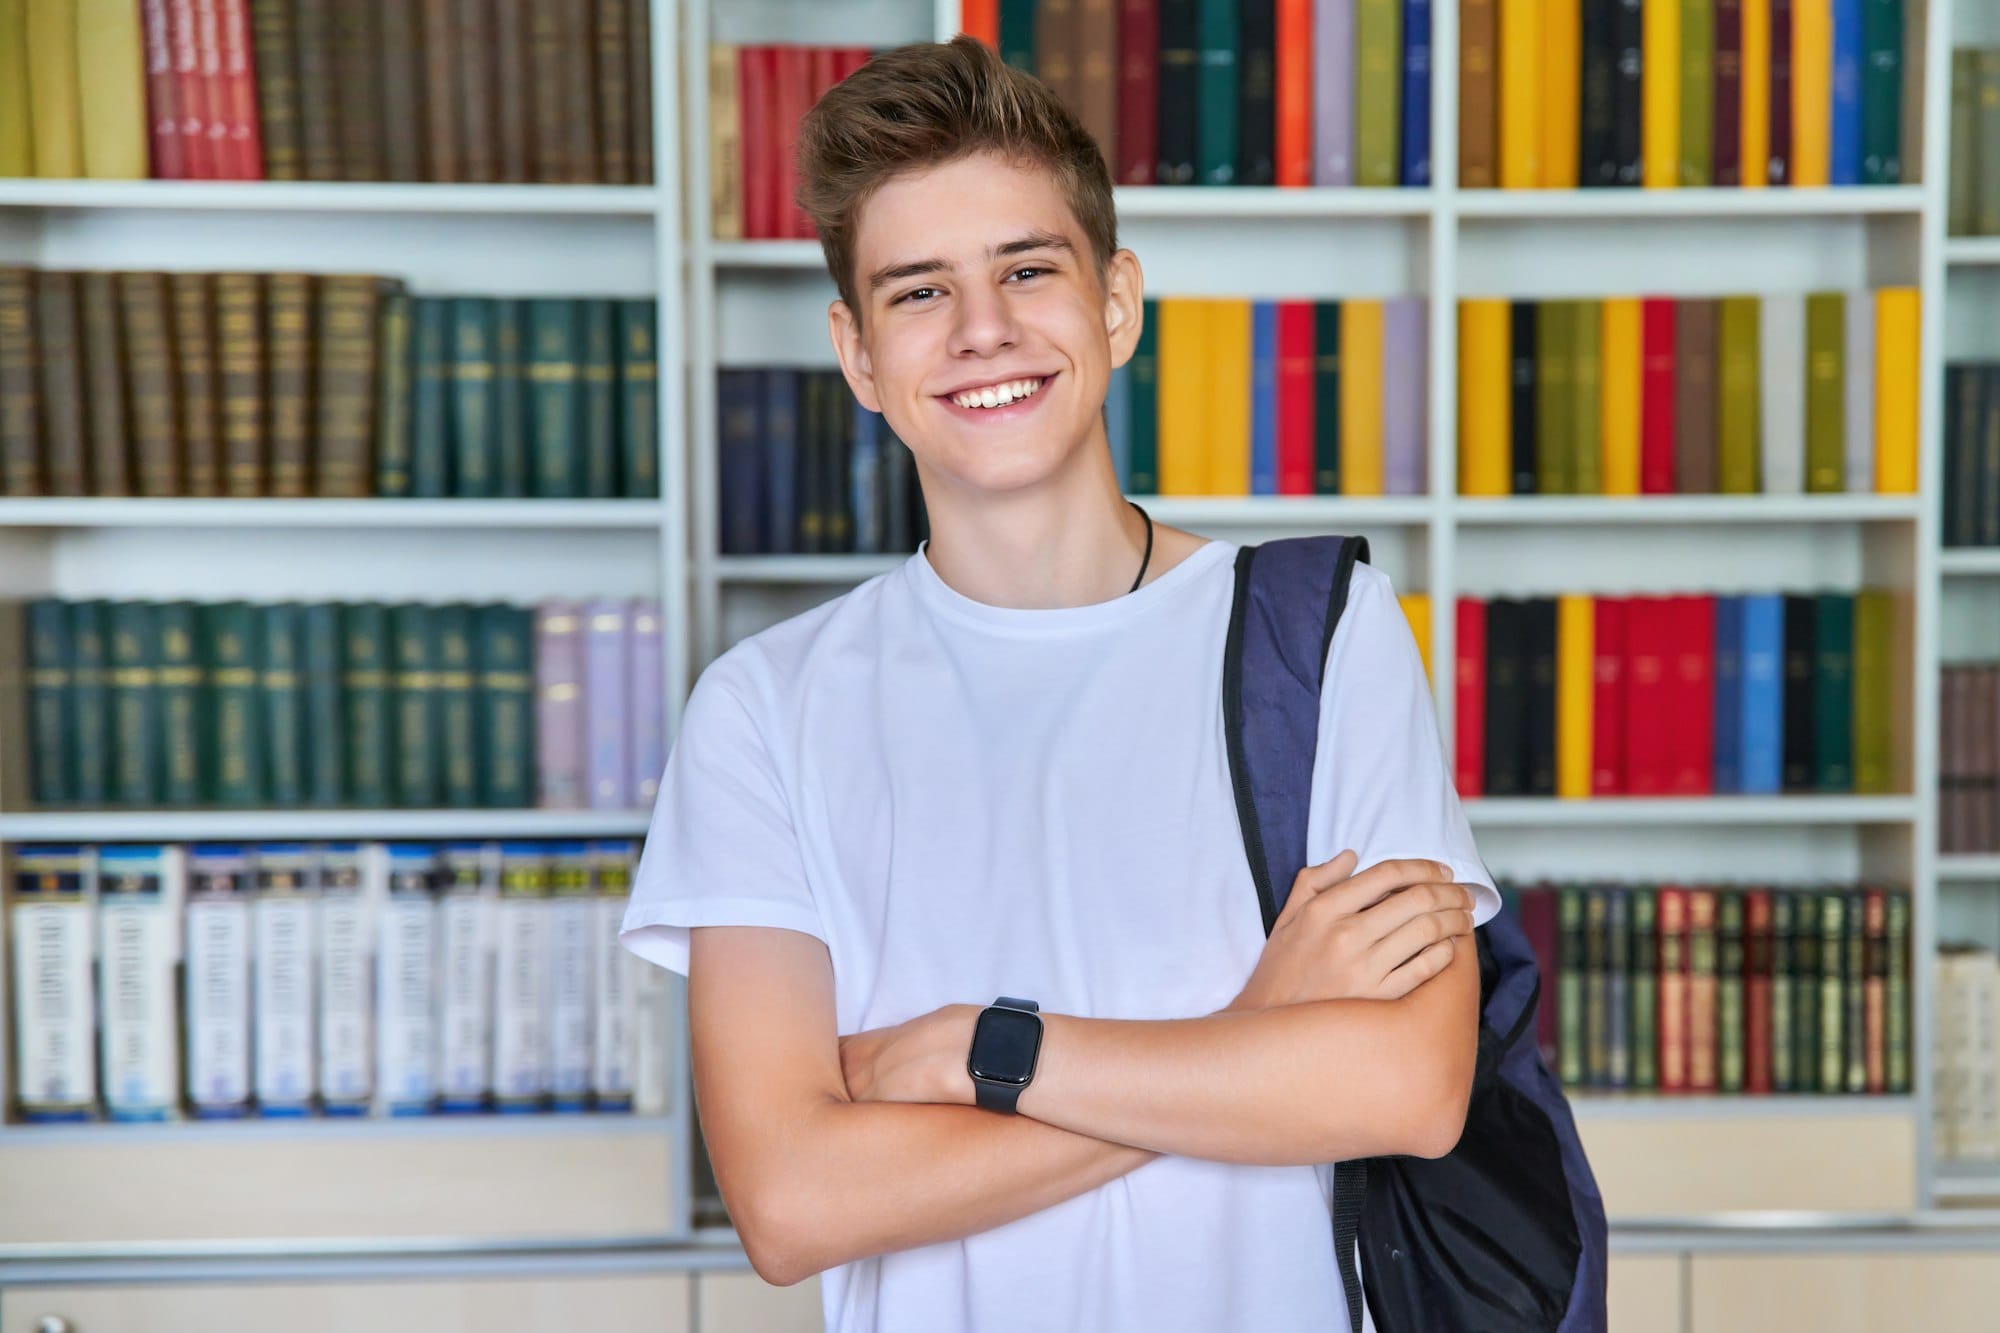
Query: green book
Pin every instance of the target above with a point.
(1833, 692)
(51, 702)
(367, 704)
(413, 674)
(135, 705)
(554, 412)
(510, 399)
(392, 399)
(1596, 988)
(457, 739)
(1854, 1022)
(1805, 991)
(1962, 207)
(1586, 411)
(323, 727)
(234, 662)
(1882, 92)
(1874, 690)
(1645, 988)
(475, 464)
(1832, 992)
(638, 397)
(1017, 34)
(1896, 992)
(1555, 364)
(430, 397)
(1326, 397)
(1697, 75)
(1729, 1035)
(1570, 985)
(1215, 92)
(281, 676)
(1826, 392)
(1378, 92)
(90, 692)
(185, 705)
(1144, 385)
(504, 644)
(1618, 986)
(598, 366)
(1737, 470)
(1782, 973)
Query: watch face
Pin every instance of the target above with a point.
(1004, 1045)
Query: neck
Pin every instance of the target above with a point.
(1036, 551)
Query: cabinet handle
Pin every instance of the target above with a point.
(54, 1323)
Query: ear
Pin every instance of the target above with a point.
(1124, 305)
(845, 331)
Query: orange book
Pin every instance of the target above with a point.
(980, 19)
(1185, 358)
(1756, 93)
(1660, 121)
(1896, 367)
(1673, 989)
(1561, 91)
(1618, 367)
(1701, 990)
(1227, 446)
(1485, 433)
(1576, 682)
(1360, 397)
(1520, 94)
(1812, 91)
(1295, 92)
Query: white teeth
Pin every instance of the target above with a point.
(997, 395)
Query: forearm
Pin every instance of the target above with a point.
(876, 1177)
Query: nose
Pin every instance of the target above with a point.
(985, 323)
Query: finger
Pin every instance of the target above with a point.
(1386, 877)
(1428, 963)
(1399, 946)
(1382, 915)
(1313, 880)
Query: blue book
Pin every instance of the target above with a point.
(864, 479)
(1118, 425)
(1728, 694)
(1844, 167)
(780, 473)
(1263, 398)
(1761, 725)
(1416, 125)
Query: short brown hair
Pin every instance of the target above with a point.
(927, 104)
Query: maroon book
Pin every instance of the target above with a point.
(1538, 923)
(1780, 171)
(1138, 91)
(1726, 143)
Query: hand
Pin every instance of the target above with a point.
(1377, 935)
(921, 1060)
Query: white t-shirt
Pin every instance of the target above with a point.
(965, 801)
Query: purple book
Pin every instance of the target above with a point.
(1405, 394)
(648, 685)
(1333, 92)
(559, 738)
(607, 661)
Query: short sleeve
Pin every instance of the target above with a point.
(1380, 784)
(721, 849)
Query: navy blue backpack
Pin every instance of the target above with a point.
(1505, 1234)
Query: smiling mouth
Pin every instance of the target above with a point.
(997, 398)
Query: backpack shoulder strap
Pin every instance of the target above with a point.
(1289, 596)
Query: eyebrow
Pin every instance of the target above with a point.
(1034, 240)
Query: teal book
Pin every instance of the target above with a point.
(504, 645)
(1143, 411)
(457, 738)
(413, 673)
(282, 707)
(393, 439)
(554, 412)
(598, 368)
(234, 664)
(639, 398)
(430, 397)
(1326, 398)
(51, 702)
(367, 704)
(181, 678)
(510, 399)
(90, 690)
(475, 468)
(1215, 92)
(135, 705)
(322, 726)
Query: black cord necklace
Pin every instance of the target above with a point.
(1149, 547)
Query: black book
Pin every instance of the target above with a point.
(1956, 487)
(1987, 466)
(1627, 91)
(837, 428)
(1506, 697)
(1256, 97)
(1598, 162)
(1539, 653)
(1797, 774)
(1521, 396)
(811, 539)
(1180, 56)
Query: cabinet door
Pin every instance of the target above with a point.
(1645, 1293)
(652, 1304)
(742, 1302)
(1844, 1293)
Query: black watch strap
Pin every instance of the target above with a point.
(1003, 1097)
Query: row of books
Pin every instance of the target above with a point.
(1965, 1047)
(559, 91)
(1777, 394)
(1972, 206)
(134, 704)
(1712, 93)
(805, 468)
(216, 981)
(1972, 453)
(327, 385)
(757, 96)
(1731, 988)
(1969, 757)
(1678, 695)
(1233, 92)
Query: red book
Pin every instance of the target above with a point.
(1138, 92)
(1656, 396)
(215, 112)
(239, 80)
(1607, 702)
(847, 59)
(792, 97)
(1757, 990)
(162, 94)
(1295, 92)
(1691, 686)
(190, 92)
(1538, 923)
(1673, 1025)
(754, 74)
(1648, 718)
(1295, 398)
(980, 19)
(824, 61)
(1469, 751)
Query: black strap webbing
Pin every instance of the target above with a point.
(1350, 1181)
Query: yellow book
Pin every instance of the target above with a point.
(1521, 94)
(725, 145)
(55, 118)
(1360, 397)
(1619, 358)
(112, 77)
(1660, 128)
(1812, 91)
(1576, 682)
(1896, 345)
(1561, 89)
(1184, 395)
(1228, 444)
(1485, 423)
(1756, 93)
(1417, 610)
(17, 147)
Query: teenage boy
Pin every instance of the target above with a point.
(998, 771)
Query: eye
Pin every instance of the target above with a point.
(910, 294)
(1030, 269)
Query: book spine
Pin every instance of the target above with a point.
(243, 142)
(613, 976)
(1729, 987)
(393, 442)
(1702, 991)
(282, 952)
(522, 983)
(1832, 993)
(169, 154)
(368, 676)
(1781, 1038)
(639, 51)
(324, 729)
(52, 920)
(281, 709)
(185, 700)
(399, 51)
(559, 715)
(1854, 995)
(89, 731)
(138, 918)
(465, 994)
(556, 412)
(1478, 108)
(507, 706)
(1571, 966)
(597, 373)
(239, 337)
(638, 405)
(315, 23)
(1896, 994)
(64, 460)
(475, 80)
(346, 1003)
(218, 983)
(406, 983)
(1138, 136)
(135, 705)
(443, 153)
(455, 706)
(195, 358)
(1726, 132)
(230, 644)
(413, 682)
(347, 322)
(1875, 973)
(571, 914)
(1645, 1007)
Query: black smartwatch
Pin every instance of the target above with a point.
(1005, 1042)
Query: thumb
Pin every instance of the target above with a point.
(1308, 883)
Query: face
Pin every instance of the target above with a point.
(973, 276)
